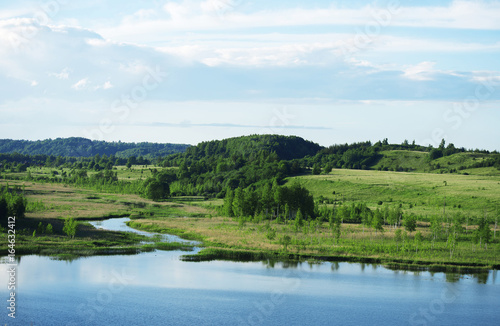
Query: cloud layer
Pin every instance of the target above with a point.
(93, 57)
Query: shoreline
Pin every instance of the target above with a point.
(210, 253)
(213, 251)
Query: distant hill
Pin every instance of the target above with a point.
(249, 147)
(82, 147)
(406, 158)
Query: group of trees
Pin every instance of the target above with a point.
(270, 201)
(354, 156)
(82, 147)
(12, 203)
(157, 187)
(210, 168)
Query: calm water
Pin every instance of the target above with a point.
(158, 289)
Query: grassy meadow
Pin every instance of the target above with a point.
(422, 194)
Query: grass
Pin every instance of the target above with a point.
(412, 160)
(226, 239)
(88, 241)
(425, 192)
(418, 162)
(50, 203)
(195, 218)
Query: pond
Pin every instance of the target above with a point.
(157, 288)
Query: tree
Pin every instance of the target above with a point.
(328, 168)
(392, 216)
(271, 234)
(418, 239)
(410, 223)
(228, 203)
(70, 226)
(436, 228)
(154, 190)
(336, 223)
(378, 222)
(483, 233)
(397, 238)
(40, 229)
(21, 167)
(287, 213)
(298, 220)
(435, 154)
(277, 194)
(285, 241)
(267, 199)
(18, 207)
(316, 169)
(238, 202)
(442, 144)
(366, 217)
(4, 209)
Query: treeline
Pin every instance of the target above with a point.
(353, 156)
(248, 147)
(82, 147)
(20, 162)
(211, 168)
(271, 200)
(294, 206)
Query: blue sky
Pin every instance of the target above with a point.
(187, 71)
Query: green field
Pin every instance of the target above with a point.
(424, 195)
(414, 161)
(425, 192)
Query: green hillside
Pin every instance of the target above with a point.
(400, 160)
(249, 147)
(82, 147)
(415, 161)
(423, 194)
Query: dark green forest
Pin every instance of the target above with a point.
(82, 147)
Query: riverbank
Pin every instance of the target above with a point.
(227, 239)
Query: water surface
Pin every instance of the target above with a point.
(156, 288)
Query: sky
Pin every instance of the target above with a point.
(188, 71)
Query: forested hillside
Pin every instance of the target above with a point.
(403, 157)
(212, 167)
(82, 147)
(249, 147)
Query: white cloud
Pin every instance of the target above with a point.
(106, 85)
(81, 84)
(191, 15)
(422, 71)
(277, 56)
(64, 74)
(61, 58)
(460, 14)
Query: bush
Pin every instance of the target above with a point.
(70, 226)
